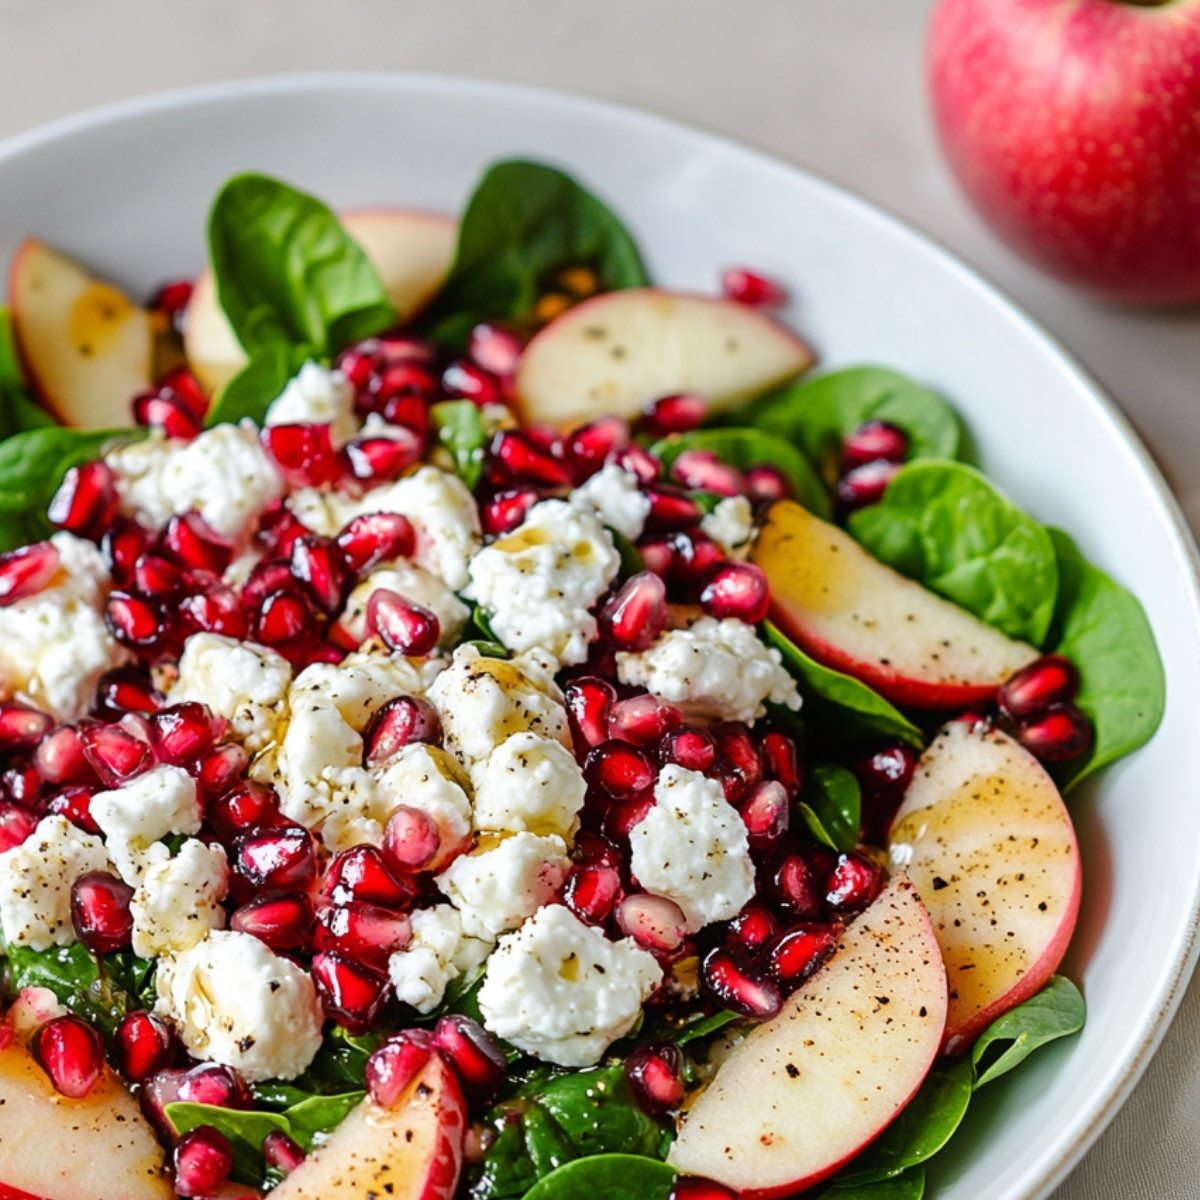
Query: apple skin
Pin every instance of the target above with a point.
(1074, 128)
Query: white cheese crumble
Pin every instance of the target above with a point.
(317, 395)
(692, 848)
(438, 954)
(731, 526)
(615, 496)
(364, 681)
(537, 583)
(36, 879)
(559, 989)
(416, 585)
(224, 474)
(135, 816)
(235, 1002)
(714, 669)
(179, 901)
(531, 783)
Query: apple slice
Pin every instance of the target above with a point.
(617, 352)
(411, 250)
(87, 348)
(412, 1151)
(984, 834)
(59, 1149)
(851, 612)
(807, 1090)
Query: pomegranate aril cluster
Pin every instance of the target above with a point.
(1038, 705)
(872, 453)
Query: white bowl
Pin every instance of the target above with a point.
(126, 189)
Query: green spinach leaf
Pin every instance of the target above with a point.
(244, 1129)
(831, 803)
(1103, 630)
(944, 525)
(251, 391)
(1056, 1011)
(458, 425)
(611, 1176)
(318, 1115)
(908, 1186)
(525, 223)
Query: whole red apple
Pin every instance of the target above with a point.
(1074, 127)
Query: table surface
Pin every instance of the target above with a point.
(834, 85)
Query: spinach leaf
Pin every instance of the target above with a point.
(525, 223)
(287, 272)
(318, 1115)
(458, 425)
(612, 1176)
(745, 448)
(632, 562)
(817, 414)
(598, 1113)
(32, 465)
(18, 410)
(1056, 1011)
(908, 1186)
(944, 525)
(1103, 630)
(831, 804)
(251, 391)
(694, 1030)
(244, 1129)
(847, 704)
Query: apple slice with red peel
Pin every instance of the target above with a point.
(984, 834)
(809, 1089)
(849, 611)
(53, 1148)
(87, 348)
(411, 1151)
(619, 351)
(411, 250)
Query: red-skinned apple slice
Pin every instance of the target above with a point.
(807, 1090)
(412, 1151)
(984, 834)
(52, 1148)
(851, 612)
(618, 351)
(86, 347)
(411, 250)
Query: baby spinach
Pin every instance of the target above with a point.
(1056, 1011)
(944, 525)
(251, 391)
(1103, 630)
(831, 804)
(908, 1186)
(245, 1131)
(525, 223)
(745, 448)
(458, 426)
(318, 1115)
(612, 1176)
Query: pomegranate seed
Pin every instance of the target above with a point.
(637, 614)
(283, 618)
(495, 348)
(357, 365)
(158, 577)
(640, 462)
(588, 701)
(411, 840)
(853, 883)
(765, 484)
(595, 850)
(409, 411)
(137, 623)
(159, 1090)
(765, 813)
(59, 757)
(515, 457)
(506, 510)
(695, 556)
(22, 727)
(248, 806)
(591, 892)
(399, 723)
(172, 298)
(781, 759)
(469, 381)
(361, 874)
(728, 978)
(392, 348)
(697, 1187)
(162, 410)
(115, 755)
(281, 920)
(402, 379)
(643, 720)
(739, 590)
(217, 610)
(203, 1160)
(619, 770)
(21, 784)
(750, 288)
(71, 1053)
(797, 952)
(654, 1072)
(883, 775)
(361, 931)
(143, 1044)
(281, 857)
(266, 578)
(221, 768)
(16, 824)
(215, 1084)
(796, 885)
(671, 509)
(86, 499)
(690, 747)
(654, 922)
(873, 441)
(352, 993)
(383, 459)
(865, 485)
(317, 567)
(74, 803)
(281, 1153)
(192, 542)
(100, 911)
(124, 542)
(395, 1064)
(278, 529)
(26, 571)
(590, 446)
(752, 927)
(477, 1060)
(1050, 680)
(185, 387)
(676, 414)
(739, 756)
(375, 538)
(1062, 731)
(411, 629)
(702, 470)
(182, 734)
(303, 453)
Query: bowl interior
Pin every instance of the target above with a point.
(127, 191)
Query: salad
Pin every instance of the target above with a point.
(476, 724)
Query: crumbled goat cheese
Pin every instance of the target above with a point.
(615, 496)
(364, 681)
(731, 526)
(692, 847)
(537, 583)
(438, 954)
(502, 882)
(235, 1002)
(179, 901)
(36, 879)
(559, 989)
(33, 1008)
(532, 783)
(715, 669)
(416, 585)
(224, 474)
(55, 645)
(135, 816)
(317, 395)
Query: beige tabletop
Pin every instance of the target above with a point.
(834, 85)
